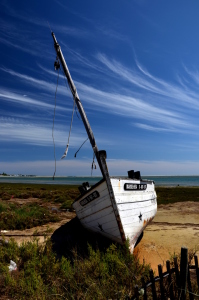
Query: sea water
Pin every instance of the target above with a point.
(72, 180)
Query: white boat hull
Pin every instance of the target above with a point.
(125, 216)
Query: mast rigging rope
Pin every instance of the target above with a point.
(66, 150)
(54, 125)
(58, 67)
(80, 147)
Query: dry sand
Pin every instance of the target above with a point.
(174, 226)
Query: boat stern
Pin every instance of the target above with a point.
(136, 201)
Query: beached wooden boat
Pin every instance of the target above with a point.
(117, 207)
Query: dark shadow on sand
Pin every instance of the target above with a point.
(73, 236)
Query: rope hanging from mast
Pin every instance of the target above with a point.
(58, 67)
(80, 147)
(93, 166)
(66, 150)
(54, 124)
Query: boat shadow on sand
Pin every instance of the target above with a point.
(72, 236)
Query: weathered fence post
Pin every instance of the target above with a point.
(153, 285)
(170, 280)
(177, 275)
(183, 272)
(161, 282)
(191, 297)
(197, 270)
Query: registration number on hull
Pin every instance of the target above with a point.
(135, 187)
(90, 198)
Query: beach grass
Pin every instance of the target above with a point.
(111, 274)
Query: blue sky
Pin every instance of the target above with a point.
(136, 68)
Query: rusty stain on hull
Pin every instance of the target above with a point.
(147, 221)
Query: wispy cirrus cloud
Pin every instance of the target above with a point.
(17, 37)
(153, 103)
(142, 79)
(27, 17)
(133, 77)
(84, 61)
(127, 105)
(38, 83)
(171, 105)
(26, 131)
(169, 128)
(130, 106)
(133, 105)
(23, 99)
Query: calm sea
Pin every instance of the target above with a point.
(159, 180)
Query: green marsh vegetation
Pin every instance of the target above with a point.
(108, 274)
(25, 206)
(168, 195)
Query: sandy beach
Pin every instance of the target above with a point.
(174, 226)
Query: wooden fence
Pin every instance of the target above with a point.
(174, 283)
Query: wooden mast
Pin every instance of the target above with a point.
(100, 155)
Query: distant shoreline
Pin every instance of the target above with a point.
(83, 176)
(166, 181)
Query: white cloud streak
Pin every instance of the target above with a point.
(16, 130)
(152, 103)
(23, 99)
(132, 106)
(33, 81)
(145, 81)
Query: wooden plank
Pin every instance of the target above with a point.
(141, 217)
(103, 222)
(197, 269)
(170, 280)
(134, 198)
(163, 296)
(97, 204)
(129, 209)
(177, 275)
(183, 273)
(153, 285)
(191, 297)
(106, 212)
